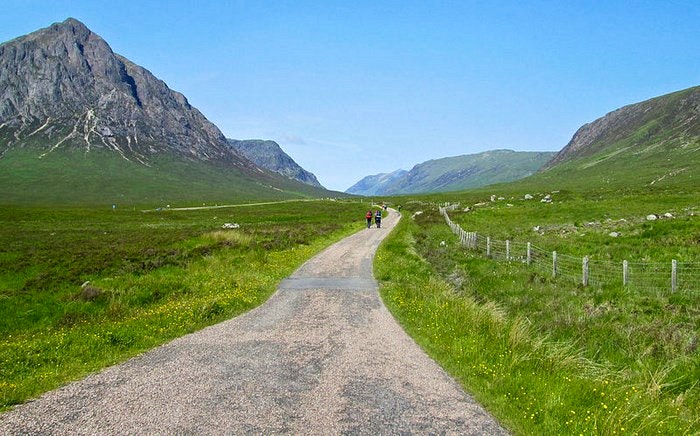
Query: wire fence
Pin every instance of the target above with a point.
(674, 276)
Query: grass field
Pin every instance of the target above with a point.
(549, 356)
(152, 277)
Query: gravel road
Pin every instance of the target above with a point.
(322, 356)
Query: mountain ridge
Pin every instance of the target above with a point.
(649, 142)
(463, 172)
(268, 154)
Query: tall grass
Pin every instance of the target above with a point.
(545, 357)
(152, 277)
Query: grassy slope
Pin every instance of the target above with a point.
(660, 144)
(105, 178)
(153, 277)
(549, 356)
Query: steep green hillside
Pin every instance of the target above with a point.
(656, 142)
(104, 178)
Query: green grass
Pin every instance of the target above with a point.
(102, 178)
(548, 356)
(153, 277)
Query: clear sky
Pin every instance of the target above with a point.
(353, 88)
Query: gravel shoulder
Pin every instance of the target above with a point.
(322, 356)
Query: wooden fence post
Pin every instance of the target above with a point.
(488, 246)
(554, 264)
(507, 249)
(625, 273)
(674, 269)
(585, 271)
(529, 253)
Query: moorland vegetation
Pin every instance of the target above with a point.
(549, 355)
(84, 288)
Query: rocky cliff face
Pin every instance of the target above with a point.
(268, 154)
(672, 120)
(62, 86)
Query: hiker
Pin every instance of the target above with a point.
(369, 218)
(378, 218)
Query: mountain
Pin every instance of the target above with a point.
(376, 184)
(655, 141)
(466, 171)
(268, 154)
(80, 123)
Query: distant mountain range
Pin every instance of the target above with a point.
(79, 123)
(376, 184)
(455, 173)
(652, 143)
(268, 154)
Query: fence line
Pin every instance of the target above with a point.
(650, 276)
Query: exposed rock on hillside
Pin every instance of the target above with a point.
(268, 154)
(62, 86)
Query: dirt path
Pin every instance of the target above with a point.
(322, 356)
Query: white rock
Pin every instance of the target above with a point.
(493, 198)
(501, 198)
(528, 197)
(652, 217)
(536, 229)
(442, 243)
(613, 234)
(668, 215)
(231, 226)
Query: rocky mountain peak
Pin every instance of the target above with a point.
(63, 86)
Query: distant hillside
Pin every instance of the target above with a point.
(653, 142)
(268, 154)
(467, 171)
(376, 184)
(82, 124)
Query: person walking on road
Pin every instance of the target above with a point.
(378, 218)
(368, 216)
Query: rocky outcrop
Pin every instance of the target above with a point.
(62, 86)
(268, 154)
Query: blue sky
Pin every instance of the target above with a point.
(352, 88)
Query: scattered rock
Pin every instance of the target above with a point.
(501, 198)
(536, 229)
(231, 226)
(668, 215)
(613, 234)
(652, 217)
(493, 198)
(442, 243)
(509, 205)
(528, 197)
